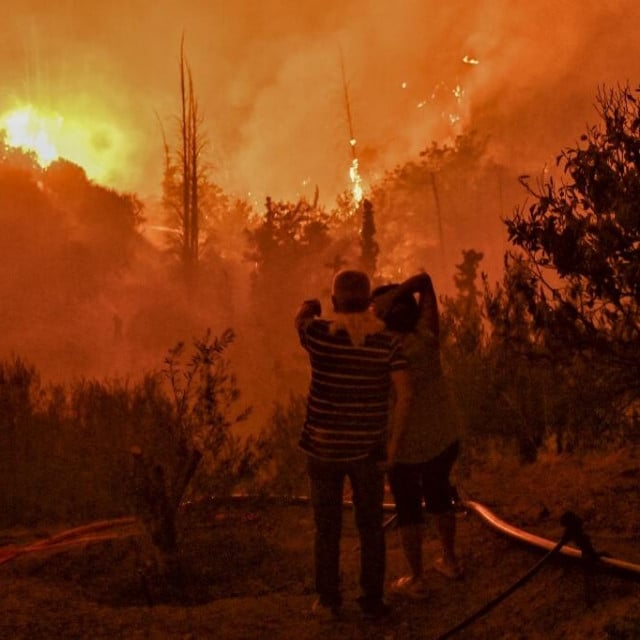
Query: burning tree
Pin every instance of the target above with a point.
(580, 272)
(369, 246)
(430, 209)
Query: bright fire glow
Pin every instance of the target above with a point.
(28, 130)
(90, 142)
(469, 60)
(356, 181)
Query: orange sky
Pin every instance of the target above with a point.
(267, 73)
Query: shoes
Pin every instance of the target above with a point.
(373, 609)
(410, 587)
(325, 612)
(451, 570)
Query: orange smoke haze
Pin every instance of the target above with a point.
(268, 79)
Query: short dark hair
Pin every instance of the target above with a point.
(351, 291)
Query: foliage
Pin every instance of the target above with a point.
(201, 410)
(60, 207)
(288, 233)
(462, 315)
(225, 223)
(66, 242)
(284, 473)
(19, 386)
(428, 210)
(63, 449)
(368, 245)
(289, 249)
(581, 245)
(191, 198)
(66, 450)
(205, 394)
(564, 397)
(103, 218)
(465, 347)
(17, 158)
(507, 384)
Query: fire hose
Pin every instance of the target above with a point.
(488, 517)
(85, 534)
(504, 594)
(583, 551)
(573, 533)
(128, 526)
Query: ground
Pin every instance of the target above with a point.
(247, 569)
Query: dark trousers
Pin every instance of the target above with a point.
(428, 481)
(327, 485)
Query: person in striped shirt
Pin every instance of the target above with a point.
(358, 393)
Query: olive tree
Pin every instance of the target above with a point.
(579, 244)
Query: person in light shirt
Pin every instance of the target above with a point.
(423, 449)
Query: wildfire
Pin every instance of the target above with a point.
(356, 181)
(28, 130)
(91, 143)
(470, 60)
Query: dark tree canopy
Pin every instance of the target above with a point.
(288, 233)
(581, 240)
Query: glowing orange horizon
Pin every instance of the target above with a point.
(86, 140)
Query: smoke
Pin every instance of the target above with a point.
(270, 77)
(269, 80)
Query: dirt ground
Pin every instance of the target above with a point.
(248, 572)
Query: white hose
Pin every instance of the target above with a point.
(529, 538)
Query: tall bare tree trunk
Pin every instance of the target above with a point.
(185, 157)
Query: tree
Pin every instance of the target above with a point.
(429, 209)
(103, 218)
(288, 250)
(369, 246)
(288, 234)
(463, 314)
(194, 419)
(581, 244)
(185, 176)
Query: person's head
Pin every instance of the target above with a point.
(398, 313)
(351, 291)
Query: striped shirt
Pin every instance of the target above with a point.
(348, 400)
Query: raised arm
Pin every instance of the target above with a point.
(421, 285)
(308, 310)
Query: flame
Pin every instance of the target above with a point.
(470, 60)
(356, 181)
(91, 142)
(28, 130)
